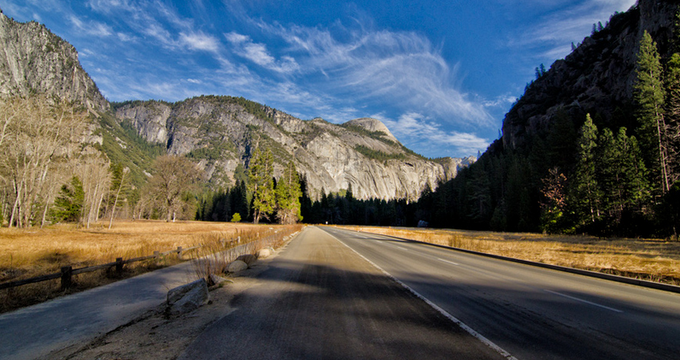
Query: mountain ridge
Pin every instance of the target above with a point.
(220, 132)
(361, 154)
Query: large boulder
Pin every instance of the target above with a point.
(236, 266)
(187, 298)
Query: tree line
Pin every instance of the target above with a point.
(582, 175)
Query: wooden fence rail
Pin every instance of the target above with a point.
(67, 272)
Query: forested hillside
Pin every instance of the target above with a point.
(592, 145)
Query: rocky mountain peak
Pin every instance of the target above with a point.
(34, 60)
(598, 77)
(372, 125)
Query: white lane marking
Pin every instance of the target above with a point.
(447, 261)
(455, 320)
(585, 301)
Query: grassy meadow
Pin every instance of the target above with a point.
(647, 259)
(26, 253)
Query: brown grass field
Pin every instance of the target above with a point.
(26, 253)
(646, 259)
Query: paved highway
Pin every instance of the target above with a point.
(320, 300)
(530, 312)
(329, 295)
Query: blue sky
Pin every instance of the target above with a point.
(440, 74)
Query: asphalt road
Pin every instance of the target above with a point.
(530, 312)
(319, 299)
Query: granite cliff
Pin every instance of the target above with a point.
(597, 77)
(34, 60)
(218, 132)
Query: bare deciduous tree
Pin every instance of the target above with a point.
(94, 173)
(174, 177)
(35, 132)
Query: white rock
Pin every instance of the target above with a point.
(263, 253)
(187, 298)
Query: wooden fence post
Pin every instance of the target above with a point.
(119, 266)
(179, 252)
(66, 273)
(157, 255)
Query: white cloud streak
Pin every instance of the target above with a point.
(399, 67)
(258, 53)
(93, 28)
(430, 135)
(199, 41)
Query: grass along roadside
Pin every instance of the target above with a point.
(214, 257)
(26, 253)
(644, 259)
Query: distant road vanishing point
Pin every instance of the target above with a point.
(339, 294)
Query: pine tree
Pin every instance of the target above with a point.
(649, 96)
(288, 196)
(622, 176)
(68, 206)
(672, 118)
(261, 184)
(585, 194)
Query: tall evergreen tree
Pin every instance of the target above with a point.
(649, 96)
(261, 184)
(238, 198)
(68, 206)
(288, 194)
(622, 177)
(672, 118)
(585, 194)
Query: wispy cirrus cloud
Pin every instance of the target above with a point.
(377, 66)
(199, 41)
(418, 129)
(245, 47)
(93, 28)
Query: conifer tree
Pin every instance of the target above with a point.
(622, 175)
(288, 196)
(68, 206)
(672, 118)
(649, 97)
(585, 195)
(261, 184)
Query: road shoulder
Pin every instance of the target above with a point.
(153, 335)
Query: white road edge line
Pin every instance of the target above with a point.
(470, 331)
(447, 261)
(584, 301)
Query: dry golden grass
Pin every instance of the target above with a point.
(35, 252)
(648, 259)
(215, 254)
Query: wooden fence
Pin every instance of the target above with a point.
(67, 272)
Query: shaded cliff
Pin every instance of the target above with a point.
(544, 175)
(597, 77)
